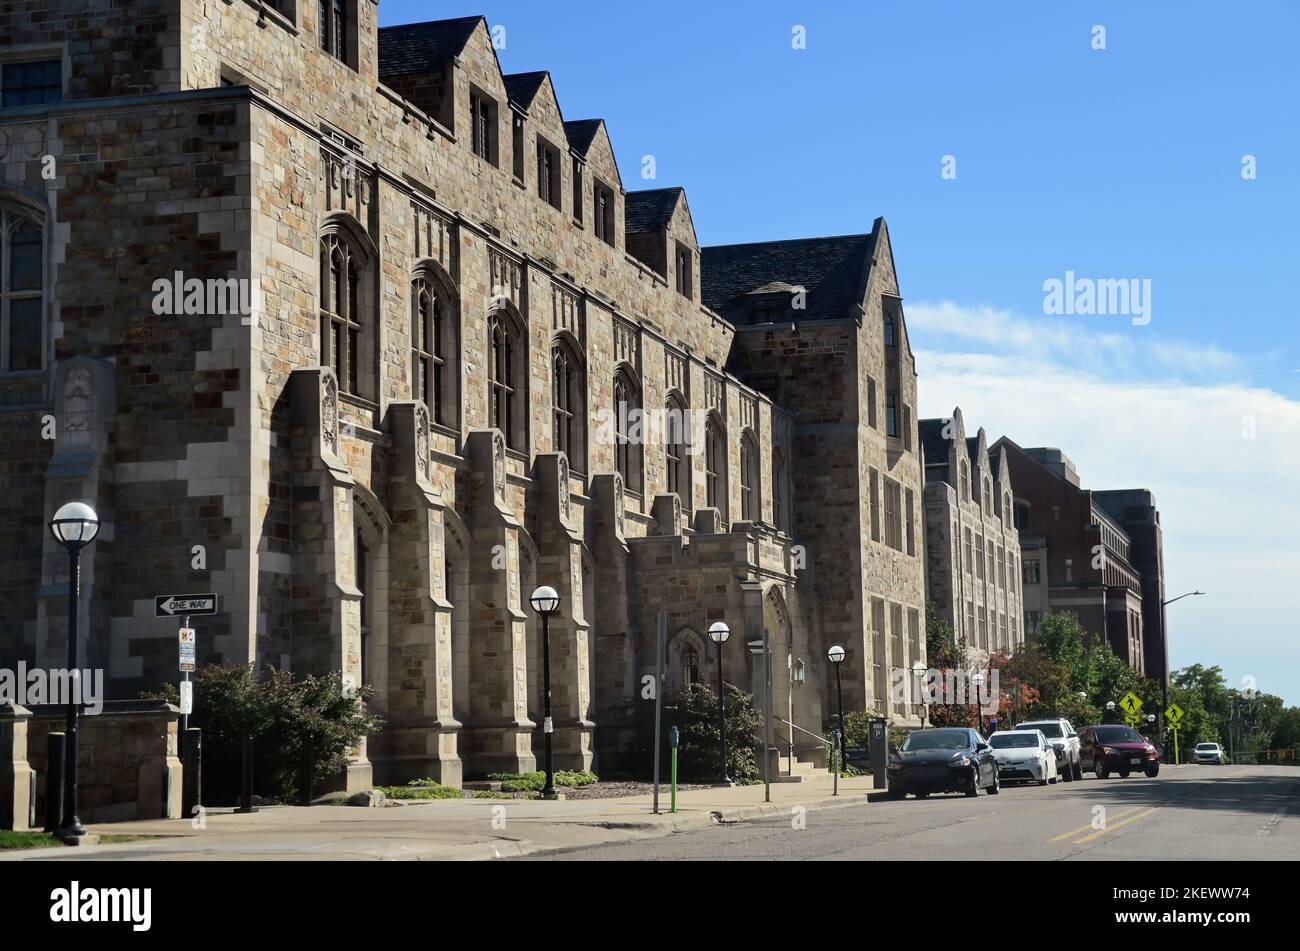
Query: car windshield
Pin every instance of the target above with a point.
(1207, 746)
(1118, 734)
(936, 740)
(1049, 729)
(1013, 741)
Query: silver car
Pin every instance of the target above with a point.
(1208, 753)
(1064, 740)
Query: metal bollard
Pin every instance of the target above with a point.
(55, 747)
(246, 790)
(192, 771)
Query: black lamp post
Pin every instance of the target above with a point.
(545, 601)
(719, 632)
(977, 679)
(836, 656)
(74, 526)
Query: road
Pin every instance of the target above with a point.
(1189, 812)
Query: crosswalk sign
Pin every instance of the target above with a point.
(1131, 703)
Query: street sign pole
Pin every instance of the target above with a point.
(660, 637)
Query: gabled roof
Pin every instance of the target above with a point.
(422, 47)
(830, 270)
(522, 87)
(581, 133)
(649, 209)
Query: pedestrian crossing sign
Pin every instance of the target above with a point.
(1131, 703)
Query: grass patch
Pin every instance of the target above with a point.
(533, 782)
(421, 789)
(27, 840)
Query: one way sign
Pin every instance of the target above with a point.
(172, 605)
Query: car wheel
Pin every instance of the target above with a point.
(1077, 771)
(1123, 774)
(997, 784)
(1069, 772)
(973, 788)
(1099, 767)
(921, 795)
(1153, 771)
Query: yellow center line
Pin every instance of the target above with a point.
(1066, 835)
(1115, 825)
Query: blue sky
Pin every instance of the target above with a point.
(1117, 163)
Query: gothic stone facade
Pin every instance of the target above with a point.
(427, 406)
(972, 546)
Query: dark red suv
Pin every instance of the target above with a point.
(1114, 748)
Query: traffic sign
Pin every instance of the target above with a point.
(176, 605)
(1131, 702)
(1174, 714)
(1133, 719)
(186, 638)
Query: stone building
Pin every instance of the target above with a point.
(972, 546)
(350, 328)
(1079, 556)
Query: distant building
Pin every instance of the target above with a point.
(972, 547)
(1097, 555)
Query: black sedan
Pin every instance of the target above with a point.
(954, 759)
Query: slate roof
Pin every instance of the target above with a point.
(581, 133)
(830, 270)
(649, 209)
(422, 47)
(522, 87)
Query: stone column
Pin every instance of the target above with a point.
(499, 734)
(420, 732)
(16, 776)
(615, 631)
(559, 564)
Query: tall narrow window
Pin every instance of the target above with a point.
(334, 28)
(628, 423)
(603, 214)
(750, 509)
(517, 147)
(567, 410)
(685, 280)
(715, 467)
(779, 513)
(22, 287)
(483, 126)
(889, 330)
(362, 569)
(911, 522)
(578, 190)
(432, 346)
(678, 461)
(548, 173)
(891, 414)
(871, 403)
(340, 310)
(874, 479)
(504, 372)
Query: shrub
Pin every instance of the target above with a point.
(421, 790)
(536, 781)
(279, 711)
(694, 711)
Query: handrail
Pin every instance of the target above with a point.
(820, 739)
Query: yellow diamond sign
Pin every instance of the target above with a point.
(1131, 702)
(1174, 714)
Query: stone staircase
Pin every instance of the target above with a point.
(797, 771)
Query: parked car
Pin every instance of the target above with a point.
(1024, 756)
(952, 759)
(1113, 747)
(1208, 753)
(1065, 741)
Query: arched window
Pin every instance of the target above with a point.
(629, 429)
(568, 409)
(751, 509)
(506, 390)
(780, 514)
(690, 667)
(676, 437)
(433, 348)
(22, 292)
(715, 466)
(342, 295)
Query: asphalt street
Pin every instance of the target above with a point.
(1185, 813)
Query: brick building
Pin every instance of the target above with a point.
(972, 547)
(448, 319)
(1079, 556)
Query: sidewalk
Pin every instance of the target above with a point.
(457, 829)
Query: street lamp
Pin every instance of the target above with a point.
(545, 601)
(918, 673)
(836, 656)
(74, 526)
(718, 633)
(1110, 710)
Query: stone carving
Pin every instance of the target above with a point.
(618, 501)
(499, 465)
(422, 441)
(564, 488)
(506, 275)
(329, 414)
(78, 407)
(677, 514)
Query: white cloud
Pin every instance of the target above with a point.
(1228, 503)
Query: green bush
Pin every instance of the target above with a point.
(421, 790)
(279, 711)
(536, 781)
(694, 711)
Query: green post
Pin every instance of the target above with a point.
(1175, 746)
(673, 770)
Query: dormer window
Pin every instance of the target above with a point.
(548, 173)
(483, 126)
(685, 279)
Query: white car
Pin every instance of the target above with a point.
(1024, 755)
(1208, 753)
